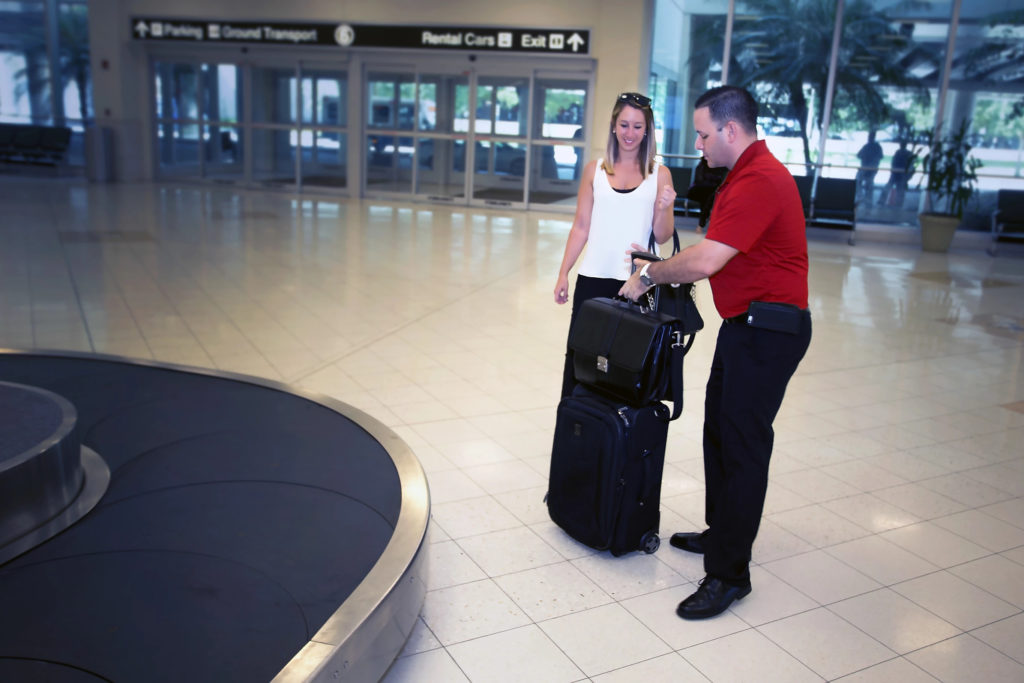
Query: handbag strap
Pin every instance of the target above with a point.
(651, 247)
(678, 351)
(679, 347)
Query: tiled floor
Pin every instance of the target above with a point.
(892, 547)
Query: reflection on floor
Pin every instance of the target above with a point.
(892, 546)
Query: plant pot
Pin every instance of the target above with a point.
(937, 230)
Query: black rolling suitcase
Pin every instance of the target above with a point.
(604, 486)
(607, 459)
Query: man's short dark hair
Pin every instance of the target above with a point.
(730, 103)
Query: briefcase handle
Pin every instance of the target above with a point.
(652, 294)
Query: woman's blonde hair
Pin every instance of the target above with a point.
(648, 146)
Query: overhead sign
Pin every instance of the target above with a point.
(536, 40)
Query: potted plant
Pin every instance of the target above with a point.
(951, 177)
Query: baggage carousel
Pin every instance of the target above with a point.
(162, 523)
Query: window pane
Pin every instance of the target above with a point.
(986, 86)
(389, 163)
(783, 59)
(500, 171)
(24, 66)
(223, 94)
(887, 78)
(273, 98)
(76, 86)
(562, 104)
(178, 148)
(223, 159)
(441, 167)
(460, 123)
(324, 98)
(392, 101)
(502, 105)
(554, 178)
(427, 104)
(324, 159)
(177, 91)
(273, 156)
(484, 108)
(686, 60)
(686, 57)
(382, 97)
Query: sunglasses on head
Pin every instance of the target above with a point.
(635, 98)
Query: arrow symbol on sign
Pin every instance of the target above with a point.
(575, 41)
(142, 28)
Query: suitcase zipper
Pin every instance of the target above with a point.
(623, 416)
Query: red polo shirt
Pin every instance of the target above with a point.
(758, 211)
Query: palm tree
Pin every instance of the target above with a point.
(999, 59)
(24, 32)
(782, 54)
(73, 61)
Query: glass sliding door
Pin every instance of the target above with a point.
(501, 110)
(198, 120)
(497, 134)
(289, 130)
(442, 123)
(275, 132)
(389, 144)
(475, 137)
(223, 153)
(559, 116)
(323, 138)
(177, 118)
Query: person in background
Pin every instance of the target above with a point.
(755, 257)
(902, 168)
(623, 197)
(870, 156)
(705, 182)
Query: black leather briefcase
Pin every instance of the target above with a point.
(624, 350)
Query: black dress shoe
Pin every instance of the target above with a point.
(691, 541)
(712, 597)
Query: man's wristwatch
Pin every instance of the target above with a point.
(644, 277)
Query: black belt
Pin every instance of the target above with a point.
(740, 319)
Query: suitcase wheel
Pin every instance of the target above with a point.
(650, 542)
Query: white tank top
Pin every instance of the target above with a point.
(618, 220)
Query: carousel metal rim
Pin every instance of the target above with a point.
(67, 423)
(392, 580)
(96, 478)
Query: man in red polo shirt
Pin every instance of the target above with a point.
(755, 257)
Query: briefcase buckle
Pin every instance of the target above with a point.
(602, 364)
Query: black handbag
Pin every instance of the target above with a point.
(628, 351)
(676, 300)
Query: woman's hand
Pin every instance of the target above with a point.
(629, 252)
(666, 198)
(562, 290)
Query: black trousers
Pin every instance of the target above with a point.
(749, 374)
(586, 288)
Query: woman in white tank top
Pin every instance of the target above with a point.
(622, 199)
